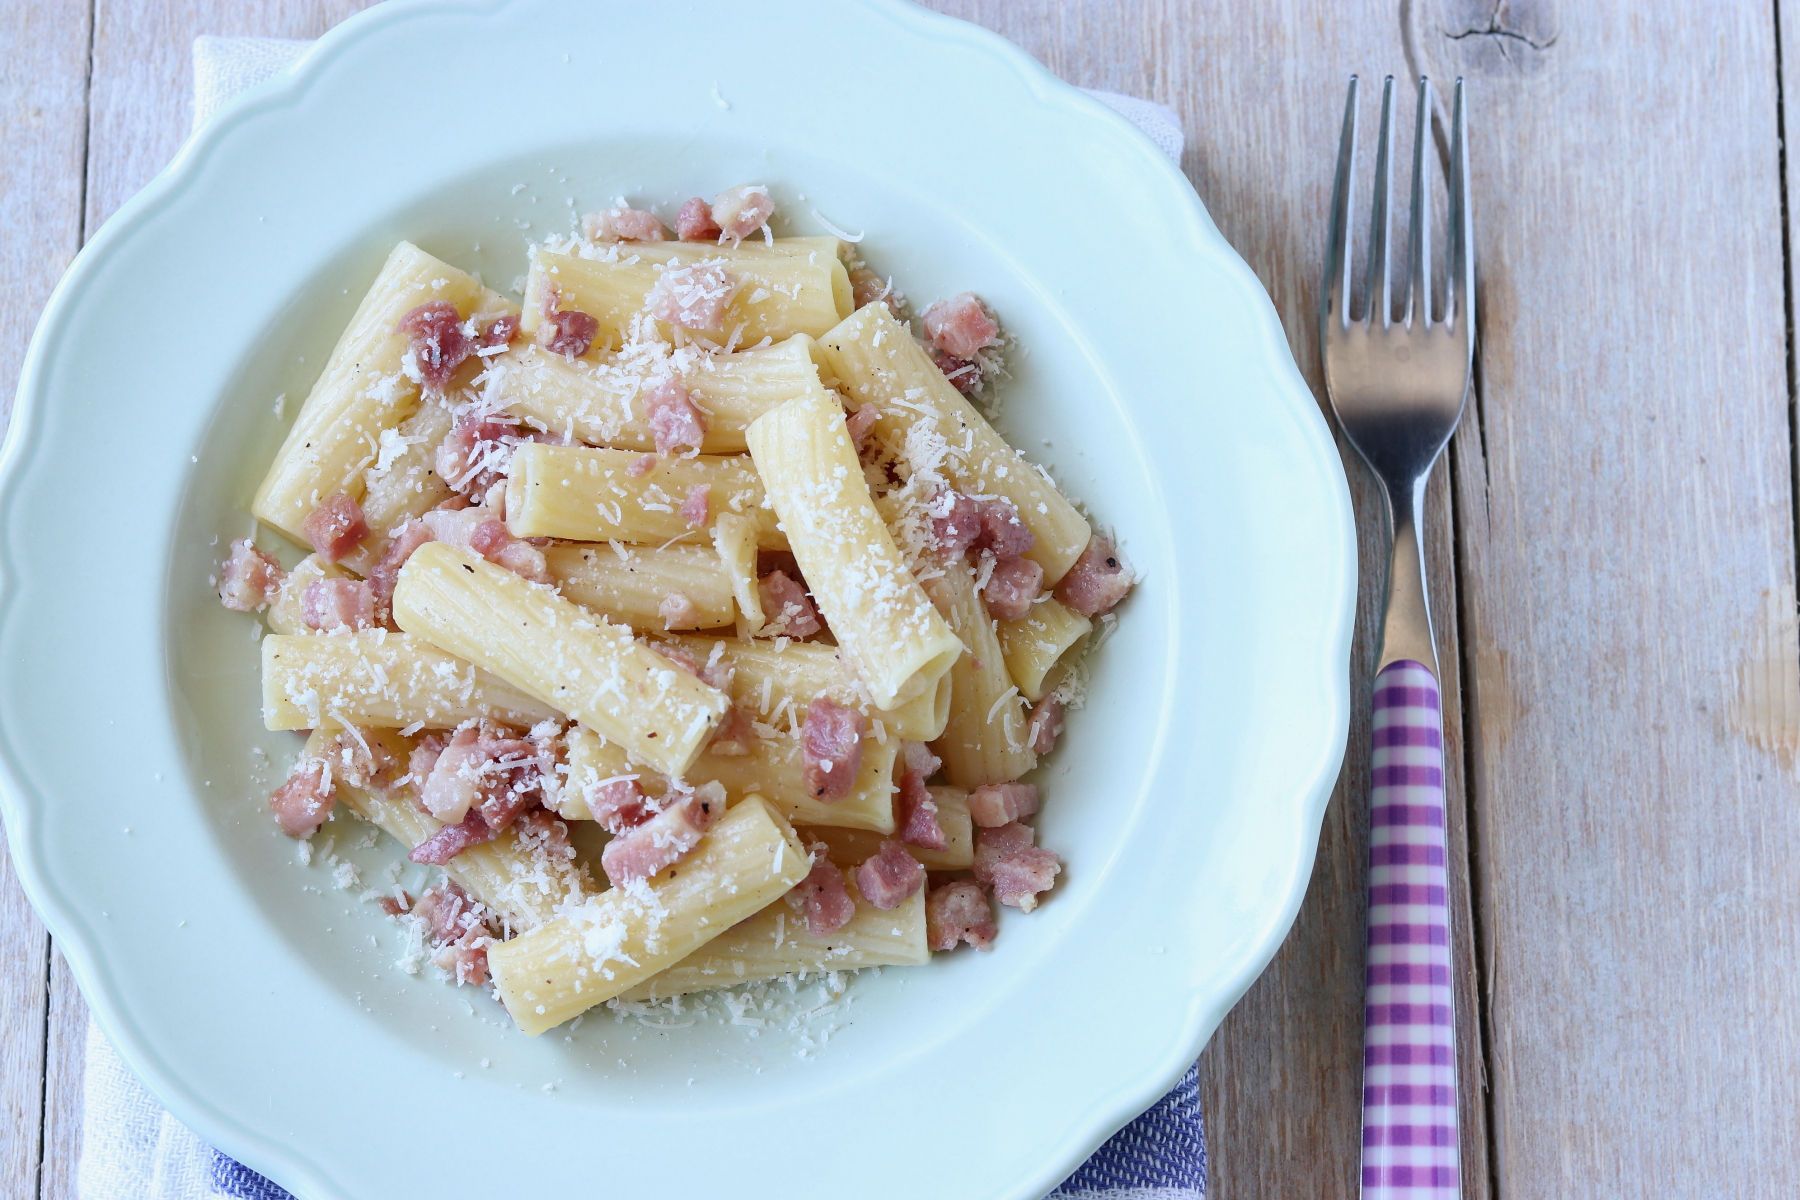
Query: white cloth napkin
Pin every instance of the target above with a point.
(132, 1149)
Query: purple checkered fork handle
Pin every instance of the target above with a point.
(1409, 1048)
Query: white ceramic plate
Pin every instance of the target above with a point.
(260, 1004)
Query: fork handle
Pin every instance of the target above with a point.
(1409, 1133)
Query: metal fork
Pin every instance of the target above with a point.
(1397, 384)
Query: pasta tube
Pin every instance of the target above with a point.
(799, 286)
(600, 403)
(772, 769)
(885, 627)
(511, 875)
(985, 740)
(625, 935)
(588, 495)
(633, 584)
(1038, 641)
(559, 653)
(856, 845)
(734, 540)
(776, 681)
(382, 680)
(362, 390)
(775, 942)
(875, 359)
(404, 481)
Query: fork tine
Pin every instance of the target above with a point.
(1418, 295)
(1459, 289)
(1335, 294)
(1381, 278)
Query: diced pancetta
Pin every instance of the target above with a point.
(916, 814)
(460, 928)
(675, 423)
(491, 773)
(1045, 725)
(741, 211)
(249, 579)
(736, 734)
(1017, 870)
(421, 759)
(1012, 587)
(995, 804)
(622, 224)
(435, 336)
(1098, 580)
(859, 423)
(955, 523)
(454, 783)
(302, 803)
(918, 758)
(694, 223)
(714, 672)
(959, 912)
(452, 840)
(963, 374)
(568, 332)
(336, 527)
(641, 466)
(961, 326)
(825, 903)
(1002, 531)
(866, 287)
(831, 748)
(465, 963)
(786, 606)
(662, 840)
(338, 604)
(692, 296)
(887, 879)
(696, 509)
(500, 332)
(493, 541)
(474, 454)
(386, 571)
(618, 805)
(395, 906)
(450, 914)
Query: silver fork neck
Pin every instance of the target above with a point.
(1406, 629)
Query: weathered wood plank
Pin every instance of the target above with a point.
(43, 119)
(64, 1057)
(1625, 496)
(1260, 109)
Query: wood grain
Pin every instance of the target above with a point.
(42, 127)
(1625, 496)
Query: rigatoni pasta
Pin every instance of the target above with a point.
(611, 591)
(558, 653)
(603, 403)
(877, 362)
(765, 291)
(364, 389)
(887, 631)
(622, 937)
(646, 587)
(586, 494)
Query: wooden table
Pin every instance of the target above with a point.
(1614, 542)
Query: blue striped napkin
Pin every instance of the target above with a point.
(133, 1150)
